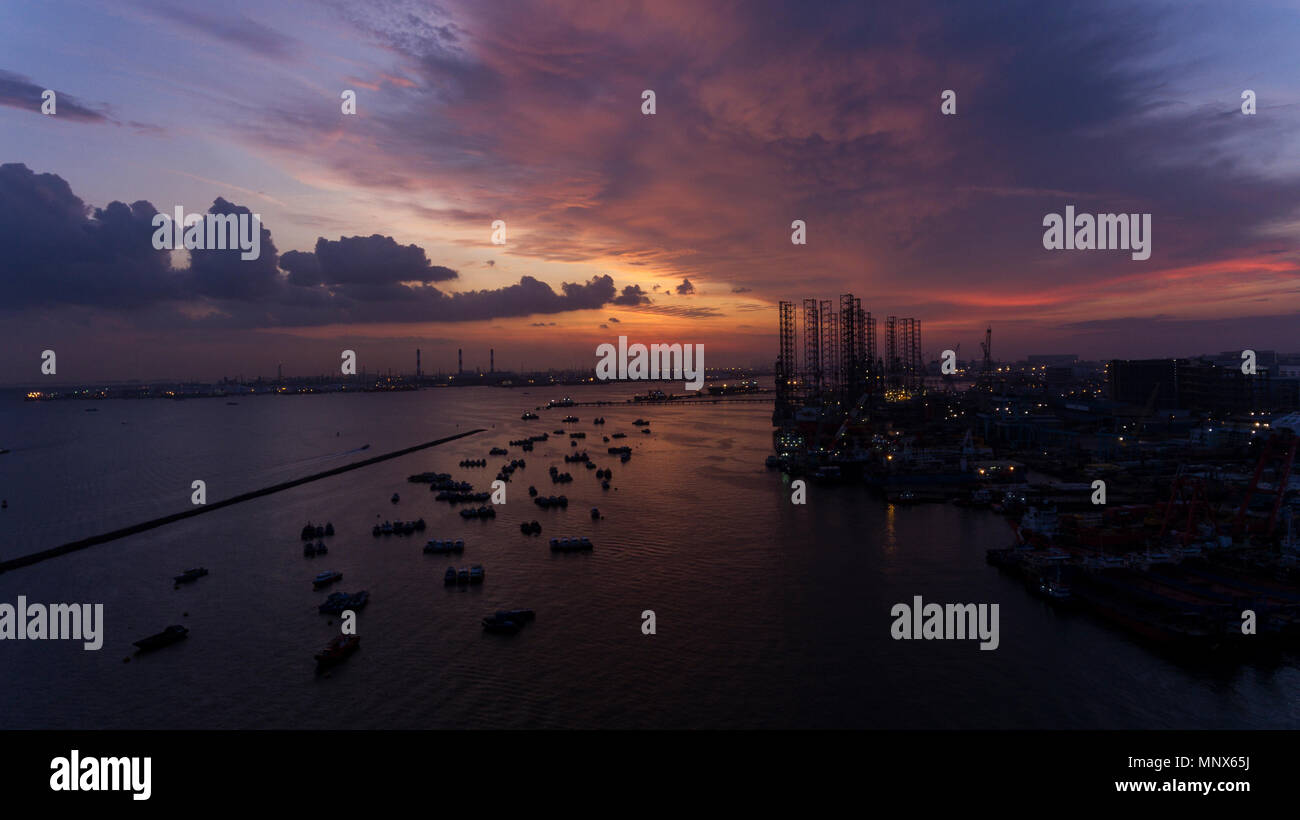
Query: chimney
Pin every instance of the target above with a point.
(460, 361)
(492, 360)
(417, 363)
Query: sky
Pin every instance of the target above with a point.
(670, 227)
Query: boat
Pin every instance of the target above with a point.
(507, 621)
(309, 549)
(529, 415)
(476, 574)
(395, 498)
(329, 528)
(338, 602)
(435, 545)
(500, 625)
(595, 514)
(338, 649)
(321, 549)
(462, 576)
(640, 423)
(569, 420)
(326, 578)
(167, 637)
(308, 531)
(530, 528)
(191, 575)
(582, 544)
(450, 578)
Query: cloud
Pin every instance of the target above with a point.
(740, 290)
(362, 260)
(17, 91)
(55, 251)
(685, 288)
(631, 296)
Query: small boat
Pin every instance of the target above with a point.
(476, 574)
(326, 578)
(529, 416)
(338, 649)
(462, 576)
(329, 529)
(167, 637)
(450, 578)
(519, 615)
(570, 420)
(395, 498)
(191, 575)
(339, 602)
(309, 549)
(640, 423)
(321, 549)
(500, 626)
(439, 546)
(595, 513)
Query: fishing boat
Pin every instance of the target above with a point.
(338, 602)
(167, 637)
(338, 650)
(326, 578)
(438, 546)
(191, 575)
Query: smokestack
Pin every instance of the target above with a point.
(417, 363)
(492, 360)
(460, 361)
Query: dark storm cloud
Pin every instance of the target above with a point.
(222, 274)
(55, 251)
(17, 91)
(685, 288)
(362, 260)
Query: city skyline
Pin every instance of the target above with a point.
(670, 226)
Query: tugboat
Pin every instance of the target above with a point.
(167, 637)
(326, 578)
(338, 650)
(191, 575)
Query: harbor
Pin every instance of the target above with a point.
(1167, 508)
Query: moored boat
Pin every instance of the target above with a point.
(167, 637)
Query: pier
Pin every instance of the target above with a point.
(73, 546)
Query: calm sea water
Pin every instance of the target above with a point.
(768, 614)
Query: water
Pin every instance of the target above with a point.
(768, 614)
